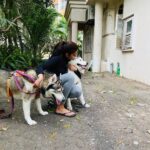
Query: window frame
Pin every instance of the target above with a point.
(127, 35)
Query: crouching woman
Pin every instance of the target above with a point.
(58, 64)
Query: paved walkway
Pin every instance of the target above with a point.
(119, 119)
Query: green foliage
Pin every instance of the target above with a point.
(15, 60)
(57, 32)
(59, 27)
(37, 21)
(28, 30)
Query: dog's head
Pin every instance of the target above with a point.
(52, 87)
(79, 63)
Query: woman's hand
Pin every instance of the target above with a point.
(72, 67)
(39, 81)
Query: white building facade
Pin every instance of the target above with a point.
(119, 36)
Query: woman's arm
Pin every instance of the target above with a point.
(39, 81)
(50, 63)
(72, 67)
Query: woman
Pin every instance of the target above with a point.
(58, 64)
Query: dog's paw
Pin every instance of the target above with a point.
(31, 122)
(44, 113)
(86, 105)
(70, 108)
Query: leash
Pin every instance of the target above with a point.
(28, 77)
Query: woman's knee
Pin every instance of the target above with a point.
(78, 93)
(75, 92)
(68, 77)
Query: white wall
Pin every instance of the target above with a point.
(135, 65)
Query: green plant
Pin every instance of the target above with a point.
(16, 60)
(28, 30)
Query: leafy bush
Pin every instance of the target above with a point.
(16, 59)
(28, 31)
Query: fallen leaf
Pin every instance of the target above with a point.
(53, 135)
(110, 91)
(61, 120)
(78, 117)
(120, 141)
(86, 82)
(135, 142)
(133, 100)
(3, 128)
(148, 131)
(141, 104)
(90, 101)
(67, 126)
(103, 75)
(130, 115)
(103, 92)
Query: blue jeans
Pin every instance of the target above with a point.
(70, 90)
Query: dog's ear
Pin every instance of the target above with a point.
(52, 79)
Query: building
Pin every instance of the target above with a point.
(116, 33)
(60, 5)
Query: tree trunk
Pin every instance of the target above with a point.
(10, 43)
(19, 38)
(15, 41)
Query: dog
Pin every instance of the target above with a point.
(80, 64)
(54, 90)
(22, 88)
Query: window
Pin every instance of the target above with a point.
(128, 33)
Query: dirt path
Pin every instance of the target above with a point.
(118, 119)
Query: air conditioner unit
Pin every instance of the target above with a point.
(90, 13)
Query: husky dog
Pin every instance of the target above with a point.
(23, 89)
(54, 89)
(80, 64)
